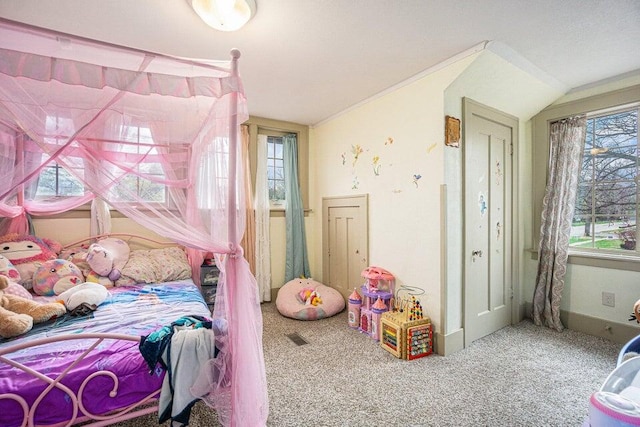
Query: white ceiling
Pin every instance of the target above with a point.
(306, 60)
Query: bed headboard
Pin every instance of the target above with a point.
(134, 241)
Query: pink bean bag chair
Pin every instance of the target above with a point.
(306, 299)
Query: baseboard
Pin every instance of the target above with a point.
(445, 345)
(617, 332)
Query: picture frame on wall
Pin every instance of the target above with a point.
(452, 131)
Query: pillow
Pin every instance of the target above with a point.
(155, 266)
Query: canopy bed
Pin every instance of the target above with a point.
(156, 138)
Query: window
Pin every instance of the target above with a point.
(607, 198)
(134, 185)
(54, 180)
(275, 169)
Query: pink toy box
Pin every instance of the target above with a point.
(375, 298)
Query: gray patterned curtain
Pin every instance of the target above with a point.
(567, 144)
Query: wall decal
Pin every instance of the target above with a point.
(498, 230)
(498, 172)
(482, 204)
(344, 158)
(397, 191)
(356, 150)
(416, 177)
(431, 147)
(389, 141)
(376, 165)
(355, 183)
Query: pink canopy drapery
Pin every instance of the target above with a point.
(155, 137)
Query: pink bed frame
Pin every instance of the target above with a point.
(80, 413)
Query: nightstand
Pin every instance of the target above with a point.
(209, 275)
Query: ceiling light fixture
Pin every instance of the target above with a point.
(224, 15)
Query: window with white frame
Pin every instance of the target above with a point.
(54, 180)
(275, 170)
(140, 141)
(607, 198)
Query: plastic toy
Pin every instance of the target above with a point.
(355, 302)
(377, 293)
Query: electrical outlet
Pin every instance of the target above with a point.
(609, 299)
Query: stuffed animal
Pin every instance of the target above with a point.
(108, 256)
(56, 276)
(78, 256)
(84, 293)
(26, 253)
(309, 296)
(17, 315)
(11, 273)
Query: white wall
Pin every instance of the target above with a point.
(404, 218)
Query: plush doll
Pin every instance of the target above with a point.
(26, 253)
(17, 315)
(56, 276)
(11, 273)
(108, 256)
(78, 256)
(85, 293)
(309, 296)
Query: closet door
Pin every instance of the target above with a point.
(345, 242)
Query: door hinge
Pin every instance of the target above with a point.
(511, 148)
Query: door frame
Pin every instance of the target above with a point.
(472, 108)
(359, 201)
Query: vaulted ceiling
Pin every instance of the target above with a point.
(306, 60)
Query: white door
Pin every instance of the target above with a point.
(345, 242)
(488, 221)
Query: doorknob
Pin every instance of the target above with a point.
(475, 254)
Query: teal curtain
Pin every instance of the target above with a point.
(297, 261)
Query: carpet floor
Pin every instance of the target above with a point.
(522, 375)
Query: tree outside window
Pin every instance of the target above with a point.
(606, 206)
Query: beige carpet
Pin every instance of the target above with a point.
(522, 375)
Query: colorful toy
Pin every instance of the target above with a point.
(26, 253)
(377, 294)
(310, 296)
(378, 279)
(17, 315)
(404, 338)
(355, 302)
(56, 276)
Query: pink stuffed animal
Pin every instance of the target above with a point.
(27, 252)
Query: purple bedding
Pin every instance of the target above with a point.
(132, 310)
